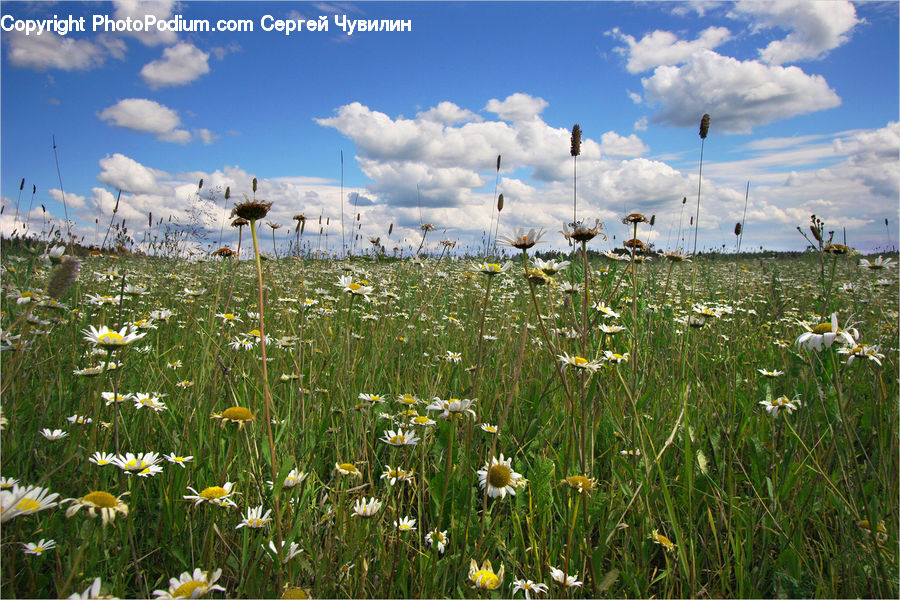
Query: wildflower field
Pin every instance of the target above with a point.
(615, 426)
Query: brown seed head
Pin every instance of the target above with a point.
(575, 150)
(251, 210)
(634, 218)
(704, 126)
(240, 222)
(635, 244)
(737, 228)
(500, 203)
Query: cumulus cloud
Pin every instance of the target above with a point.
(664, 48)
(206, 136)
(126, 174)
(616, 146)
(51, 51)
(739, 95)
(138, 9)
(517, 107)
(142, 115)
(448, 112)
(815, 27)
(180, 64)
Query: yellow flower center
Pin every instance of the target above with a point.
(580, 483)
(294, 593)
(28, 505)
(486, 580)
(237, 413)
(213, 493)
(228, 316)
(404, 527)
(347, 467)
(421, 420)
(110, 339)
(499, 476)
(354, 287)
(580, 361)
(101, 499)
(822, 328)
(397, 439)
(186, 590)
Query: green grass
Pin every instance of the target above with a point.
(755, 506)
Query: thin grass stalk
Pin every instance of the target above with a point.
(267, 394)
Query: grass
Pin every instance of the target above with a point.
(675, 439)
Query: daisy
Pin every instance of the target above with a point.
(149, 400)
(191, 585)
(7, 483)
(408, 399)
(220, 496)
(345, 282)
(877, 264)
(25, 500)
(499, 478)
(111, 397)
(286, 553)
(581, 231)
(437, 537)
(580, 483)
(550, 267)
(366, 508)
(405, 524)
(611, 329)
(110, 339)
(772, 374)
(38, 548)
(106, 503)
(861, 351)
(452, 408)
(484, 578)
(347, 469)
(400, 438)
(79, 419)
(293, 478)
(393, 475)
(181, 461)
(56, 434)
(579, 362)
(229, 318)
(184, 384)
(255, 519)
(243, 343)
(567, 581)
(234, 414)
(662, 540)
(131, 463)
(488, 428)
(175, 364)
(616, 358)
(91, 593)
(785, 403)
(529, 587)
(825, 334)
(372, 399)
(491, 269)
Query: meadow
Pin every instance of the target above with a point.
(625, 426)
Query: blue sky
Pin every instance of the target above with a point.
(803, 98)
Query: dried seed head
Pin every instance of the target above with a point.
(251, 210)
(576, 140)
(737, 228)
(254, 184)
(634, 218)
(835, 249)
(300, 217)
(652, 220)
(228, 193)
(684, 200)
(634, 243)
(200, 185)
(391, 229)
(224, 252)
(64, 275)
(704, 126)
(498, 163)
(500, 203)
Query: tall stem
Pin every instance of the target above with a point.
(267, 394)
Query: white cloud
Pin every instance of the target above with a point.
(140, 114)
(664, 48)
(128, 175)
(206, 136)
(616, 146)
(180, 64)
(448, 112)
(738, 95)
(51, 51)
(138, 9)
(815, 27)
(641, 124)
(516, 107)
